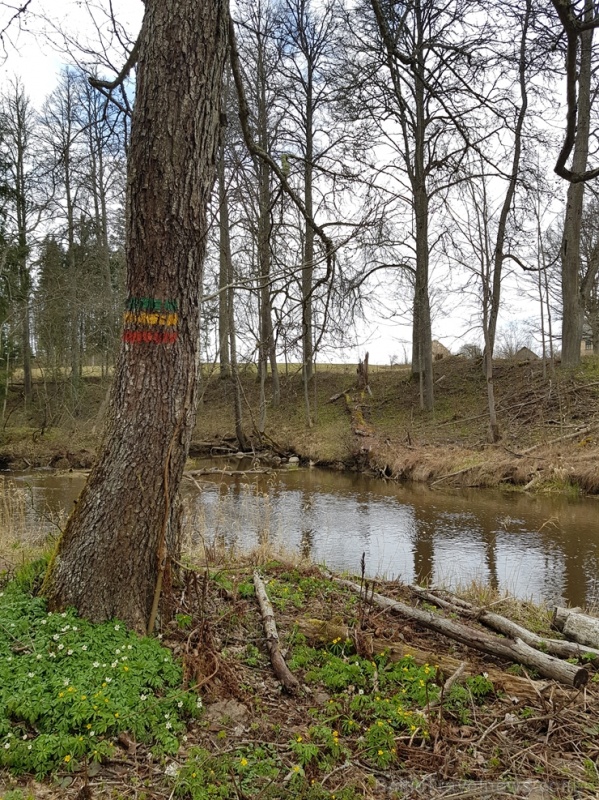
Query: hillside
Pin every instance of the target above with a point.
(549, 424)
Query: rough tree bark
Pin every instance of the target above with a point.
(124, 528)
(573, 310)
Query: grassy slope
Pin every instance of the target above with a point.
(394, 437)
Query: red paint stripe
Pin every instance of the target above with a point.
(151, 337)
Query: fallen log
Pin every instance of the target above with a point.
(512, 650)
(319, 633)
(501, 624)
(280, 668)
(336, 397)
(581, 628)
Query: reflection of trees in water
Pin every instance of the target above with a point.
(308, 507)
(575, 577)
(307, 530)
(489, 537)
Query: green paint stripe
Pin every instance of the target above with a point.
(151, 304)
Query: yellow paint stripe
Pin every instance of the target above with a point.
(149, 318)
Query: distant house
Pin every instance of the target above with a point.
(586, 344)
(440, 351)
(526, 354)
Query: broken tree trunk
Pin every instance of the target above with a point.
(322, 632)
(279, 666)
(555, 647)
(580, 627)
(512, 650)
(362, 382)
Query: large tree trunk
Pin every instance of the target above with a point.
(573, 310)
(308, 265)
(224, 268)
(124, 527)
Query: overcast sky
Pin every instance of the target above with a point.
(34, 54)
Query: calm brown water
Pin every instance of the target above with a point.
(540, 547)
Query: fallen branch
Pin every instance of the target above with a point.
(280, 668)
(580, 432)
(337, 396)
(515, 650)
(453, 474)
(580, 627)
(320, 633)
(501, 624)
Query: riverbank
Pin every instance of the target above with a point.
(383, 707)
(549, 425)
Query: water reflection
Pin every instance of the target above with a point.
(540, 547)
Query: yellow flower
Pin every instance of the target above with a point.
(243, 762)
(193, 774)
(380, 752)
(126, 669)
(71, 689)
(299, 739)
(116, 714)
(88, 726)
(61, 694)
(84, 697)
(296, 768)
(67, 759)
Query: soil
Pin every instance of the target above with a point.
(543, 746)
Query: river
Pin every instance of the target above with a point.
(537, 547)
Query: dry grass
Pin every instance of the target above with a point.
(24, 534)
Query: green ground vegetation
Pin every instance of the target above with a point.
(196, 712)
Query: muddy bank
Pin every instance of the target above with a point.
(570, 466)
(568, 469)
